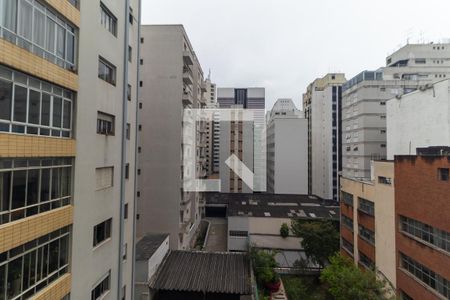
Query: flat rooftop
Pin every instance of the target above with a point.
(274, 206)
(148, 244)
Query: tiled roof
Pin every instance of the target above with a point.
(207, 272)
(147, 246)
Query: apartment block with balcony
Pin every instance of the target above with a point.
(368, 221)
(322, 105)
(364, 101)
(422, 231)
(171, 82)
(64, 236)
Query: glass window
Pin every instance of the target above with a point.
(25, 18)
(14, 277)
(102, 232)
(45, 114)
(39, 28)
(60, 41)
(108, 20)
(67, 115)
(33, 187)
(101, 288)
(5, 188)
(56, 192)
(106, 71)
(45, 185)
(50, 35)
(5, 100)
(20, 103)
(19, 188)
(57, 113)
(34, 108)
(9, 15)
(70, 48)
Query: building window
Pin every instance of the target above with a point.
(125, 211)
(39, 30)
(141, 84)
(420, 60)
(127, 132)
(382, 102)
(425, 275)
(347, 198)
(102, 232)
(105, 123)
(140, 105)
(240, 233)
(130, 54)
(347, 246)
(365, 261)
(127, 171)
(426, 233)
(129, 92)
(101, 288)
(140, 127)
(139, 149)
(29, 268)
(367, 234)
(106, 71)
(384, 180)
(49, 107)
(124, 254)
(141, 61)
(130, 16)
(142, 40)
(104, 177)
(32, 186)
(108, 20)
(366, 206)
(443, 174)
(383, 145)
(347, 222)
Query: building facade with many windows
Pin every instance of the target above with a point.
(63, 106)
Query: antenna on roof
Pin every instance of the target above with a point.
(209, 74)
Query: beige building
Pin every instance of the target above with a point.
(171, 82)
(368, 221)
(67, 148)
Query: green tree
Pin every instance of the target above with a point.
(344, 281)
(284, 230)
(295, 288)
(263, 264)
(320, 239)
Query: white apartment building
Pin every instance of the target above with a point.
(419, 119)
(68, 138)
(211, 126)
(322, 107)
(171, 82)
(287, 149)
(364, 101)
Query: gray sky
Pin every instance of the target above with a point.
(283, 45)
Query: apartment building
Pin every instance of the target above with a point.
(65, 72)
(212, 124)
(368, 221)
(419, 119)
(287, 149)
(364, 101)
(171, 82)
(422, 231)
(322, 104)
(244, 98)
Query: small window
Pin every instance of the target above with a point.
(125, 211)
(105, 123)
(138, 194)
(104, 177)
(382, 102)
(141, 61)
(124, 254)
(129, 88)
(383, 145)
(382, 131)
(130, 54)
(443, 174)
(127, 171)
(130, 16)
(102, 288)
(106, 71)
(139, 149)
(127, 132)
(108, 20)
(420, 60)
(142, 40)
(140, 127)
(140, 83)
(383, 117)
(139, 171)
(102, 232)
(384, 180)
(140, 105)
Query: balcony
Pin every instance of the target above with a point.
(203, 86)
(188, 98)
(187, 76)
(187, 58)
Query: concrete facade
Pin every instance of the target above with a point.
(287, 153)
(322, 107)
(172, 81)
(364, 101)
(419, 119)
(368, 235)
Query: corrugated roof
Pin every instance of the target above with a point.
(208, 272)
(147, 246)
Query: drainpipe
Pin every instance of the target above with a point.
(123, 149)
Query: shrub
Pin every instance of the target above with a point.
(284, 230)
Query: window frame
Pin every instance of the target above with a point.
(110, 77)
(107, 233)
(109, 19)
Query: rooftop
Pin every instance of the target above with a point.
(274, 206)
(207, 272)
(147, 245)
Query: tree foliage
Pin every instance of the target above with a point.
(346, 281)
(263, 265)
(284, 230)
(320, 239)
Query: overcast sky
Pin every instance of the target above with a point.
(283, 45)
